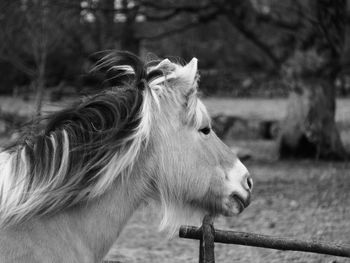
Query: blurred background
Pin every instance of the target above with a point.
(275, 76)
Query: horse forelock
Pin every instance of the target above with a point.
(160, 78)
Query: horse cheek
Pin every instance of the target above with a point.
(216, 183)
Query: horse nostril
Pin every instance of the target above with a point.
(250, 182)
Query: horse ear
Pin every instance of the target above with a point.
(190, 72)
(163, 63)
(165, 66)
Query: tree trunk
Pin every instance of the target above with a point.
(39, 95)
(309, 129)
(41, 53)
(106, 24)
(129, 41)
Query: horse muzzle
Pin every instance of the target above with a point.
(240, 186)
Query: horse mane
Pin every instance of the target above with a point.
(77, 153)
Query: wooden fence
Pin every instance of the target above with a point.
(208, 235)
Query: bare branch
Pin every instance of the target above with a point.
(166, 12)
(18, 64)
(181, 8)
(275, 18)
(73, 6)
(154, 18)
(200, 20)
(250, 35)
(240, 14)
(274, 21)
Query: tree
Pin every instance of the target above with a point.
(308, 57)
(130, 22)
(30, 33)
(309, 129)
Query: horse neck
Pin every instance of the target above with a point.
(102, 221)
(92, 228)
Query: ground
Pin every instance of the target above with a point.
(298, 199)
(303, 200)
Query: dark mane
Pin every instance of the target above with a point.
(78, 142)
(114, 76)
(97, 127)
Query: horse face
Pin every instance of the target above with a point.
(226, 183)
(196, 170)
(201, 171)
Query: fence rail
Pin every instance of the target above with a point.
(207, 235)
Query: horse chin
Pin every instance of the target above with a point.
(232, 206)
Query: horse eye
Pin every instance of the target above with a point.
(205, 130)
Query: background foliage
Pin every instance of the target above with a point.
(241, 45)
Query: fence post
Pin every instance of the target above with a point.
(206, 245)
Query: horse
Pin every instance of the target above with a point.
(68, 189)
